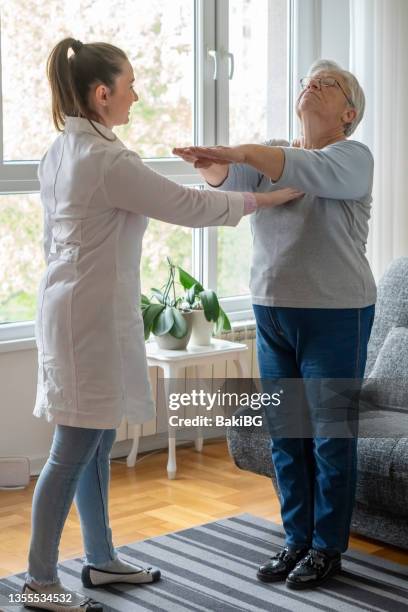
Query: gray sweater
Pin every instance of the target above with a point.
(310, 252)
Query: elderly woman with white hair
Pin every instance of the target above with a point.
(313, 295)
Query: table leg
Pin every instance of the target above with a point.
(242, 368)
(198, 441)
(171, 372)
(171, 462)
(131, 458)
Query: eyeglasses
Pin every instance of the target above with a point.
(324, 82)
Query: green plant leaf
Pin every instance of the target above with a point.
(179, 329)
(187, 281)
(227, 322)
(144, 301)
(158, 295)
(223, 322)
(210, 304)
(191, 294)
(149, 315)
(163, 322)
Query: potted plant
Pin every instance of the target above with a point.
(173, 320)
(208, 316)
(166, 316)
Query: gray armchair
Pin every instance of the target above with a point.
(381, 508)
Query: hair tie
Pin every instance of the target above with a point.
(76, 46)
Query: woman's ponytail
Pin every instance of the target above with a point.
(60, 79)
(72, 68)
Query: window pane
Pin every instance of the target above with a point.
(158, 37)
(160, 241)
(258, 111)
(258, 90)
(21, 256)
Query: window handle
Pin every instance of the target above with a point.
(212, 53)
(231, 65)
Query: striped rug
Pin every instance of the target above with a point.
(213, 567)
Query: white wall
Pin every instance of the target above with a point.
(20, 432)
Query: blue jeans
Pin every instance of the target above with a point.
(316, 476)
(78, 466)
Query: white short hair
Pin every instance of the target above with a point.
(356, 91)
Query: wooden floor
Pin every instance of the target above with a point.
(144, 503)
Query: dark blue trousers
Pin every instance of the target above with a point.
(316, 476)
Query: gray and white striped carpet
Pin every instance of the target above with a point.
(212, 568)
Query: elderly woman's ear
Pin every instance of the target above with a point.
(349, 115)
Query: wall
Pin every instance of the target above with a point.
(21, 434)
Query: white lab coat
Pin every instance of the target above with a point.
(97, 195)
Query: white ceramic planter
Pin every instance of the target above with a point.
(202, 329)
(169, 342)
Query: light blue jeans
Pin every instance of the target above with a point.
(78, 467)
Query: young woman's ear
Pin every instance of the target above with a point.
(101, 94)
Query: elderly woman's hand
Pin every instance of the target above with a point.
(211, 155)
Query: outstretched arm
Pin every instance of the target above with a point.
(342, 170)
(266, 159)
(132, 186)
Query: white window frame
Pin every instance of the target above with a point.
(211, 111)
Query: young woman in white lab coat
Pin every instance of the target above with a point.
(92, 369)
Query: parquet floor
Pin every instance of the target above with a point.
(144, 503)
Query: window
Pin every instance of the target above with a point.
(161, 51)
(175, 243)
(258, 111)
(21, 256)
(258, 91)
(170, 45)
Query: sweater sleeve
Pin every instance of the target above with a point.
(242, 177)
(132, 186)
(343, 170)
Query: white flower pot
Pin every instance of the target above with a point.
(169, 342)
(202, 329)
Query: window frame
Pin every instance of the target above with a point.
(211, 103)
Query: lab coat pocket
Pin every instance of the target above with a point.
(53, 387)
(66, 240)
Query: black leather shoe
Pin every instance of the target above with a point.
(313, 570)
(279, 566)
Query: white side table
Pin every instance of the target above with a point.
(172, 364)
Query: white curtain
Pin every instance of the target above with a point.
(379, 59)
